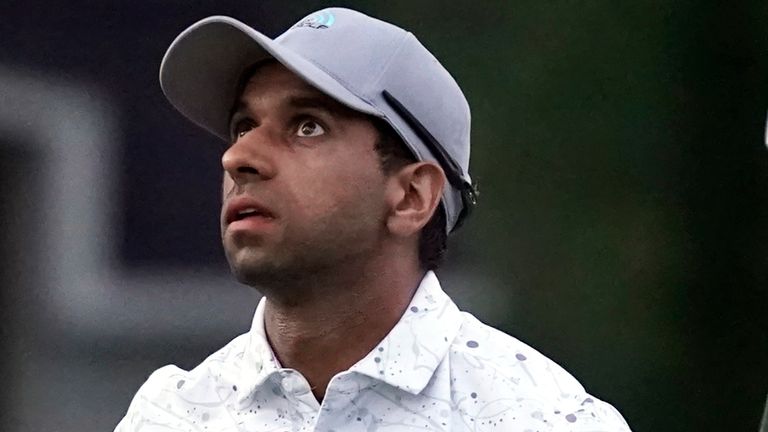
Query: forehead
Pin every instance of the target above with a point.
(271, 80)
(269, 74)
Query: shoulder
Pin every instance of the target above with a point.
(494, 351)
(501, 373)
(160, 394)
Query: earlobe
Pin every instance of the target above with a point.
(414, 194)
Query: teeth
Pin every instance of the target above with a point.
(247, 212)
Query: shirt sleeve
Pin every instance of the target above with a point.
(145, 409)
(578, 411)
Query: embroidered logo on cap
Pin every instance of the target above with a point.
(320, 20)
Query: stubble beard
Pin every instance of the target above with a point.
(272, 276)
(294, 271)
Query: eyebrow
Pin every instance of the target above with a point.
(310, 98)
(316, 101)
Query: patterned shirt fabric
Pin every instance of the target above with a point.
(439, 369)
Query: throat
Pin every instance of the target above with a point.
(336, 323)
(321, 342)
(321, 351)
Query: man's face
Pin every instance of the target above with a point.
(303, 190)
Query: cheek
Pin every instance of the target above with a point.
(226, 188)
(226, 185)
(349, 185)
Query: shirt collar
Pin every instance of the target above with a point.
(409, 355)
(406, 358)
(259, 361)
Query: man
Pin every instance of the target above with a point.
(347, 166)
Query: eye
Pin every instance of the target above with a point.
(240, 128)
(309, 128)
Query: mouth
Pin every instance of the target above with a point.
(246, 209)
(249, 213)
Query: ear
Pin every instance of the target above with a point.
(413, 194)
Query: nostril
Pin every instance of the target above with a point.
(247, 170)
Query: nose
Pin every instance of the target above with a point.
(247, 159)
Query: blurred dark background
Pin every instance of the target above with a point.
(622, 231)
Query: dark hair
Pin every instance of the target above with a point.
(394, 154)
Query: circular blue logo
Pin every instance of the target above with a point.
(320, 20)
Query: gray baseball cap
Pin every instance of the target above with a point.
(364, 63)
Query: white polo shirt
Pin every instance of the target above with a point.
(439, 369)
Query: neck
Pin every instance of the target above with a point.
(344, 316)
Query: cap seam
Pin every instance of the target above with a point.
(344, 83)
(418, 153)
(388, 62)
(356, 91)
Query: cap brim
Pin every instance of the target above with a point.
(201, 70)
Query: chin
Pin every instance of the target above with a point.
(249, 269)
(257, 269)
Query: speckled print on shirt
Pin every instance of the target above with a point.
(439, 369)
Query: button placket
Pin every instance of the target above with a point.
(342, 391)
(295, 386)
